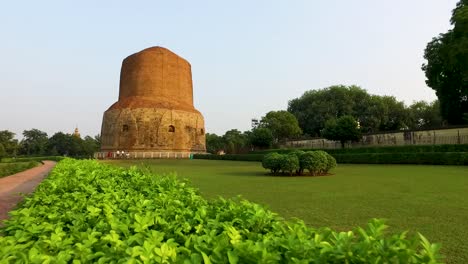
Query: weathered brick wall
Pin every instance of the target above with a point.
(155, 109)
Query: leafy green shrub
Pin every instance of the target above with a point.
(38, 159)
(314, 161)
(298, 154)
(7, 169)
(272, 162)
(381, 149)
(434, 158)
(289, 163)
(86, 212)
(331, 161)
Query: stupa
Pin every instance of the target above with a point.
(154, 113)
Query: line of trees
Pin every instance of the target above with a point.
(338, 112)
(373, 112)
(273, 127)
(37, 143)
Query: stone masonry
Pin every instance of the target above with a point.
(155, 111)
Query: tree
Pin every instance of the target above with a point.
(73, 146)
(2, 151)
(395, 114)
(214, 143)
(342, 129)
(8, 142)
(315, 107)
(261, 137)
(425, 115)
(89, 145)
(282, 124)
(446, 69)
(97, 138)
(235, 141)
(34, 142)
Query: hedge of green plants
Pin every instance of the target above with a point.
(428, 158)
(88, 212)
(383, 149)
(7, 169)
(38, 159)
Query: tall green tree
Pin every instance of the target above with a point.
(235, 141)
(396, 115)
(343, 129)
(315, 107)
(34, 142)
(282, 124)
(425, 115)
(9, 143)
(261, 137)
(214, 143)
(2, 151)
(89, 146)
(447, 67)
(73, 146)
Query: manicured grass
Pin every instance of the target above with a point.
(7, 169)
(432, 200)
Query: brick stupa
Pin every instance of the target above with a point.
(155, 111)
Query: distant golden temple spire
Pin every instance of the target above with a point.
(77, 133)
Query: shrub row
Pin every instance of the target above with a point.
(315, 162)
(383, 149)
(428, 158)
(38, 159)
(88, 212)
(7, 169)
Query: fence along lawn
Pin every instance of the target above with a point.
(431, 200)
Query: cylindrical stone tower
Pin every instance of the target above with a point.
(155, 111)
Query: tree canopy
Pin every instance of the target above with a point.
(342, 129)
(261, 137)
(214, 143)
(34, 142)
(9, 143)
(374, 112)
(235, 141)
(447, 67)
(282, 124)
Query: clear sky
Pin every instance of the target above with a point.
(60, 60)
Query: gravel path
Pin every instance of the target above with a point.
(21, 182)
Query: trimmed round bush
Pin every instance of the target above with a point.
(314, 161)
(272, 162)
(331, 161)
(289, 163)
(298, 154)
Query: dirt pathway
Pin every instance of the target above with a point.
(21, 182)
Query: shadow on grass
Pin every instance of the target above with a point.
(269, 175)
(247, 174)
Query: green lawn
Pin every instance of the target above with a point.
(432, 200)
(9, 168)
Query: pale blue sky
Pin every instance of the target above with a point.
(60, 60)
